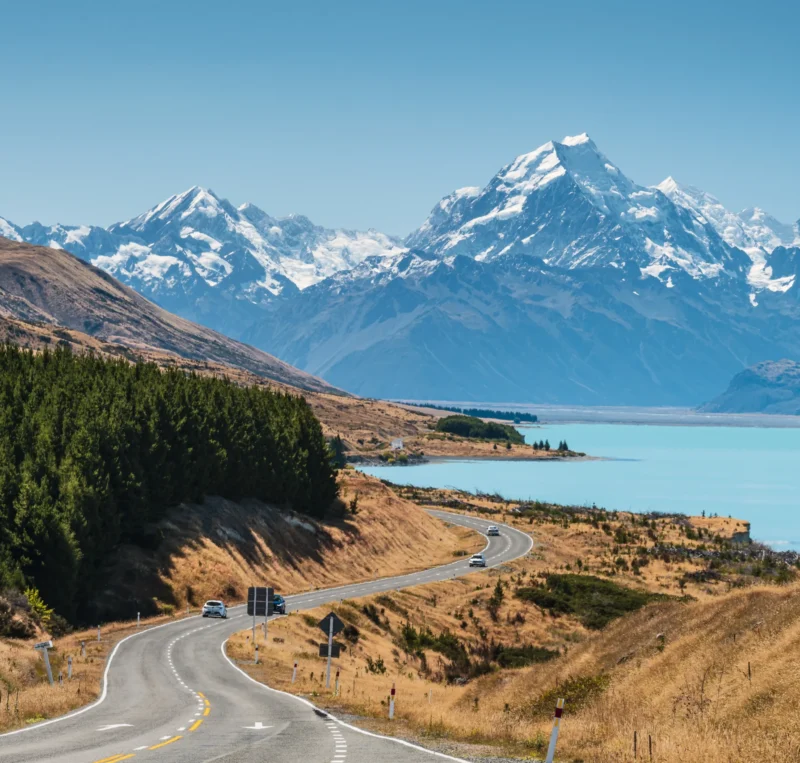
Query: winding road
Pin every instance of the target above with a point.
(172, 694)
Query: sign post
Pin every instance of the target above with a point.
(259, 604)
(331, 625)
(42, 647)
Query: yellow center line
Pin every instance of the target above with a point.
(115, 758)
(163, 744)
(208, 704)
(200, 694)
(196, 725)
(207, 711)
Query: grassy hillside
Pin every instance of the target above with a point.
(51, 287)
(644, 624)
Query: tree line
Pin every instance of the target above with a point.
(469, 426)
(92, 451)
(484, 413)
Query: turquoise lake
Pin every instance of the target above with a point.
(752, 473)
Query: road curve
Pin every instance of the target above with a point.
(172, 694)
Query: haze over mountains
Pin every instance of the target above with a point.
(561, 280)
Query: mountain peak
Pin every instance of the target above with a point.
(576, 140)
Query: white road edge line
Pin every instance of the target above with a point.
(326, 714)
(110, 659)
(316, 709)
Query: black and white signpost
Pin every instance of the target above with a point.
(331, 625)
(259, 604)
(42, 647)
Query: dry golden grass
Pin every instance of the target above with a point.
(674, 672)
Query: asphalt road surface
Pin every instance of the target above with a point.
(172, 694)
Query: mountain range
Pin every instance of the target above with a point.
(560, 280)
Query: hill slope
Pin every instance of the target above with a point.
(40, 284)
(769, 387)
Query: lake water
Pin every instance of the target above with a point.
(752, 473)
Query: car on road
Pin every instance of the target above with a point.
(477, 560)
(214, 608)
(278, 604)
(493, 530)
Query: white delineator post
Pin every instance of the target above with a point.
(294, 673)
(551, 750)
(391, 704)
(330, 653)
(336, 685)
(83, 649)
(98, 633)
(138, 619)
(69, 668)
(256, 654)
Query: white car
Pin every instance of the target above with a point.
(477, 560)
(215, 609)
(493, 530)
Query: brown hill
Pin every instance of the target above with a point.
(50, 286)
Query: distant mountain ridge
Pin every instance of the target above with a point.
(768, 387)
(560, 280)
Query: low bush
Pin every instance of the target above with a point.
(594, 601)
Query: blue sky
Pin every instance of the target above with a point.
(366, 114)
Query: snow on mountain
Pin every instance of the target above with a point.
(199, 256)
(9, 230)
(567, 204)
(752, 230)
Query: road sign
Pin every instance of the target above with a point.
(335, 650)
(259, 601)
(43, 645)
(325, 624)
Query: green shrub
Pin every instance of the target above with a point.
(594, 601)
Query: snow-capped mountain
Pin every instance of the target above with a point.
(567, 204)
(199, 256)
(515, 329)
(561, 280)
(752, 230)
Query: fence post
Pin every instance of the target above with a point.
(551, 750)
(391, 704)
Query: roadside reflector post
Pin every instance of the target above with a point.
(391, 704)
(336, 685)
(43, 647)
(60, 678)
(98, 633)
(69, 668)
(138, 619)
(83, 649)
(551, 750)
(294, 673)
(256, 654)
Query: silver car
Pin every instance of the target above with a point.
(215, 609)
(493, 530)
(477, 560)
